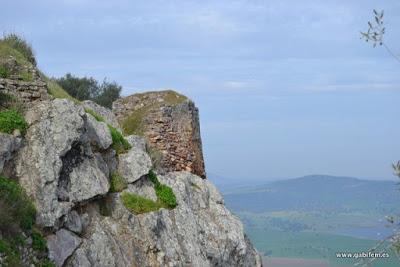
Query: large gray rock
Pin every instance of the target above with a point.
(136, 162)
(62, 245)
(8, 145)
(98, 133)
(56, 166)
(88, 180)
(200, 231)
(106, 113)
(100, 249)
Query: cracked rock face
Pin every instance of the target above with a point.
(62, 245)
(65, 164)
(136, 162)
(106, 113)
(200, 231)
(98, 133)
(56, 166)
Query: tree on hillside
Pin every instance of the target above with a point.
(88, 88)
(110, 91)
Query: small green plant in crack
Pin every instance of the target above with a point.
(94, 114)
(164, 193)
(119, 144)
(38, 241)
(118, 183)
(138, 204)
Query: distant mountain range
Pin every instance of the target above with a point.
(316, 193)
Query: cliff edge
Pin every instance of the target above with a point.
(103, 198)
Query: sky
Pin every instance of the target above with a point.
(285, 88)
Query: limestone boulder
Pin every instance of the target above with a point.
(136, 162)
(98, 133)
(56, 166)
(104, 112)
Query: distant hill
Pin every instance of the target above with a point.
(317, 193)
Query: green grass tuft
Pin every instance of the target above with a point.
(46, 263)
(94, 114)
(21, 45)
(15, 207)
(138, 204)
(164, 193)
(4, 72)
(38, 242)
(11, 120)
(153, 178)
(7, 51)
(57, 91)
(120, 145)
(26, 76)
(132, 124)
(10, 253)
(118, 183)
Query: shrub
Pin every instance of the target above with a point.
(11, 120)
(138, 204)
(88, 88)
(38, 242)
(20, 45)
(120, 145)
(18, 207)
(118, 182)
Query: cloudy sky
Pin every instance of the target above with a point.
(285, 88)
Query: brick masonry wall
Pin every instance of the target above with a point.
(26, 92)
(172, 129)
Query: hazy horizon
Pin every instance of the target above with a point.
(284, 88)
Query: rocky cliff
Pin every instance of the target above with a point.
(101, 203)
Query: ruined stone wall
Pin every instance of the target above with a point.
(26, 92)
(170, 123)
